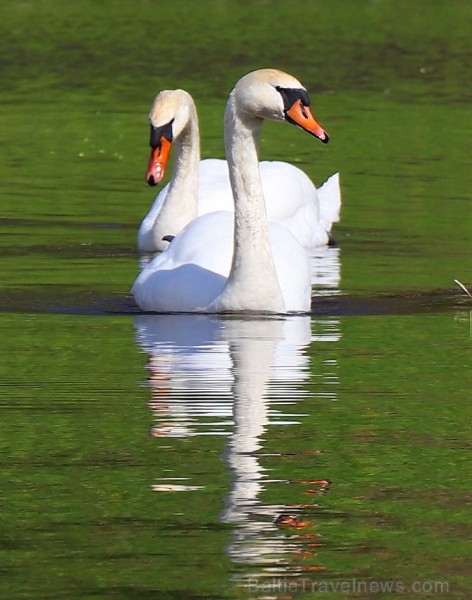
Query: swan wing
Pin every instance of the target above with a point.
(287, 189)
(192, 271)
(214, 192)
(146, 235)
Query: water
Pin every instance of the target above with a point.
(210, 457)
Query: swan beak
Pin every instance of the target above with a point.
(301, 115)
(158, 161)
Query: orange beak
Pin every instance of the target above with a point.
(158, 161)
(301, 115)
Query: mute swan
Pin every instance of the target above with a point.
(222, 262)
(198, 187)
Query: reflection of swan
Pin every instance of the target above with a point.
(253, 354)
(268, 270)
(191, 364)
(325, 265)
(262, 364)
(198, 187)
(189, 371)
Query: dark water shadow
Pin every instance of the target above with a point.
(62, 299)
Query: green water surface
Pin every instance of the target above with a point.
(127, 469)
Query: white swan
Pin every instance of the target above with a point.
(197, 187)
(214, 265)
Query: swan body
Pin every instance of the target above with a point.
(238, 262)
(199, 186)
(190, 274)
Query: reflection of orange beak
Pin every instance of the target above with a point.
(301, 115)
(158, 161)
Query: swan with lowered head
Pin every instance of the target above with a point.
(197, 187)
(222, 262)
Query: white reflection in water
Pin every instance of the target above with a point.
(232, 376)
(325, 270)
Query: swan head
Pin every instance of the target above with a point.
(170, 114)
(275, 95)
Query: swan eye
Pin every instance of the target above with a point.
(159, 132)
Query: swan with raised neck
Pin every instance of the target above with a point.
(256, 282)
(173, 121)
(290, 196)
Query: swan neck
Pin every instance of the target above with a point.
(181, 202)
(242, 154)
(187, 156)
(252, 257)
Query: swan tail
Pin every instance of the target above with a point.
(329, 197)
